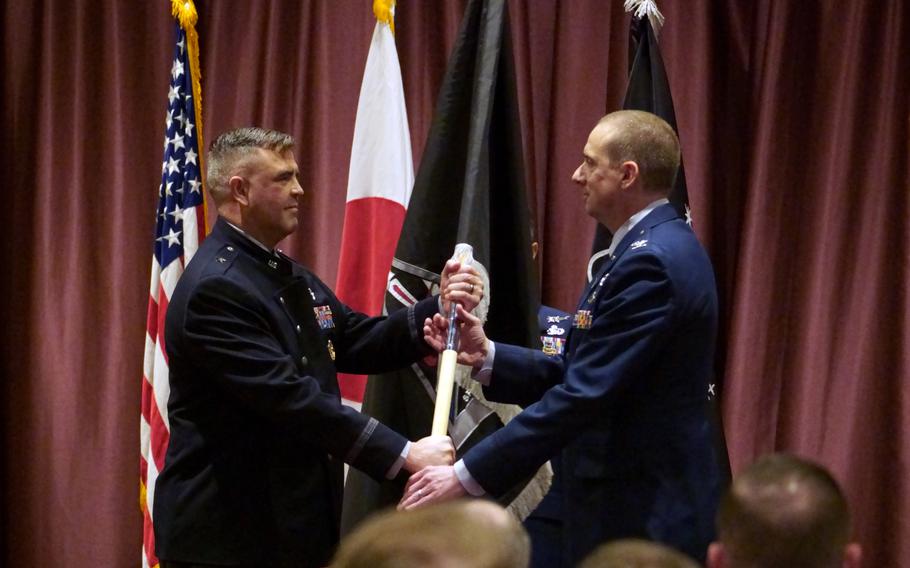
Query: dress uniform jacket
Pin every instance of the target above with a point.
(626, 403)
(253, 471)
(544, 524)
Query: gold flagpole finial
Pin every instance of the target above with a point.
(185, 12)
(384, 10)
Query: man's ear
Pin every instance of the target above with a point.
(716, 557)
(629, 173)
(240, 190)
(853, 555)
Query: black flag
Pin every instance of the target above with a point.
(470, 188)
(649, 90)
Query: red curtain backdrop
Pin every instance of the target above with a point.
(794, 119)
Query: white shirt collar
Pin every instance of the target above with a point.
(624, 229)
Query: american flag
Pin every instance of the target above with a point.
(179, 228)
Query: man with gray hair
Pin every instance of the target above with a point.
(784, 511)
(258, 434)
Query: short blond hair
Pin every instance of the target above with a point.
(647, 140)
(475, 533)
(636, 553)
(231, 147)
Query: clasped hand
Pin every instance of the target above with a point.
(431, 485)
(473, 344)
(432, 450)
(461, 284)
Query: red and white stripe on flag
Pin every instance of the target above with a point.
(380, 181)
(179, 228)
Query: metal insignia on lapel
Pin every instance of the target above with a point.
(273, 264)
(312, 294)
(593, 295)
(331, 349)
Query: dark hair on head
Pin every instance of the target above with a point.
(784, 511)
(647, 140)
(229, 147)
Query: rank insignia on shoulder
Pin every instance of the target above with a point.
(583, 319)
(639, 244)
(331, 349)
(553, 345)
(324, 317)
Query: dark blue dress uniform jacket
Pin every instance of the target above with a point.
(625, 404)
(253, 471)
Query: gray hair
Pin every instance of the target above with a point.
(231, 146)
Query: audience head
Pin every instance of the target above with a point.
(634, 553)
(466, 533)
(783, 511)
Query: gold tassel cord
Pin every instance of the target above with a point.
(185, 12)
(384, 10)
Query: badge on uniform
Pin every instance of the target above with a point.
(331, 349)
(324, 317)
(583, 319)
(553, 345)
(555, 330)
